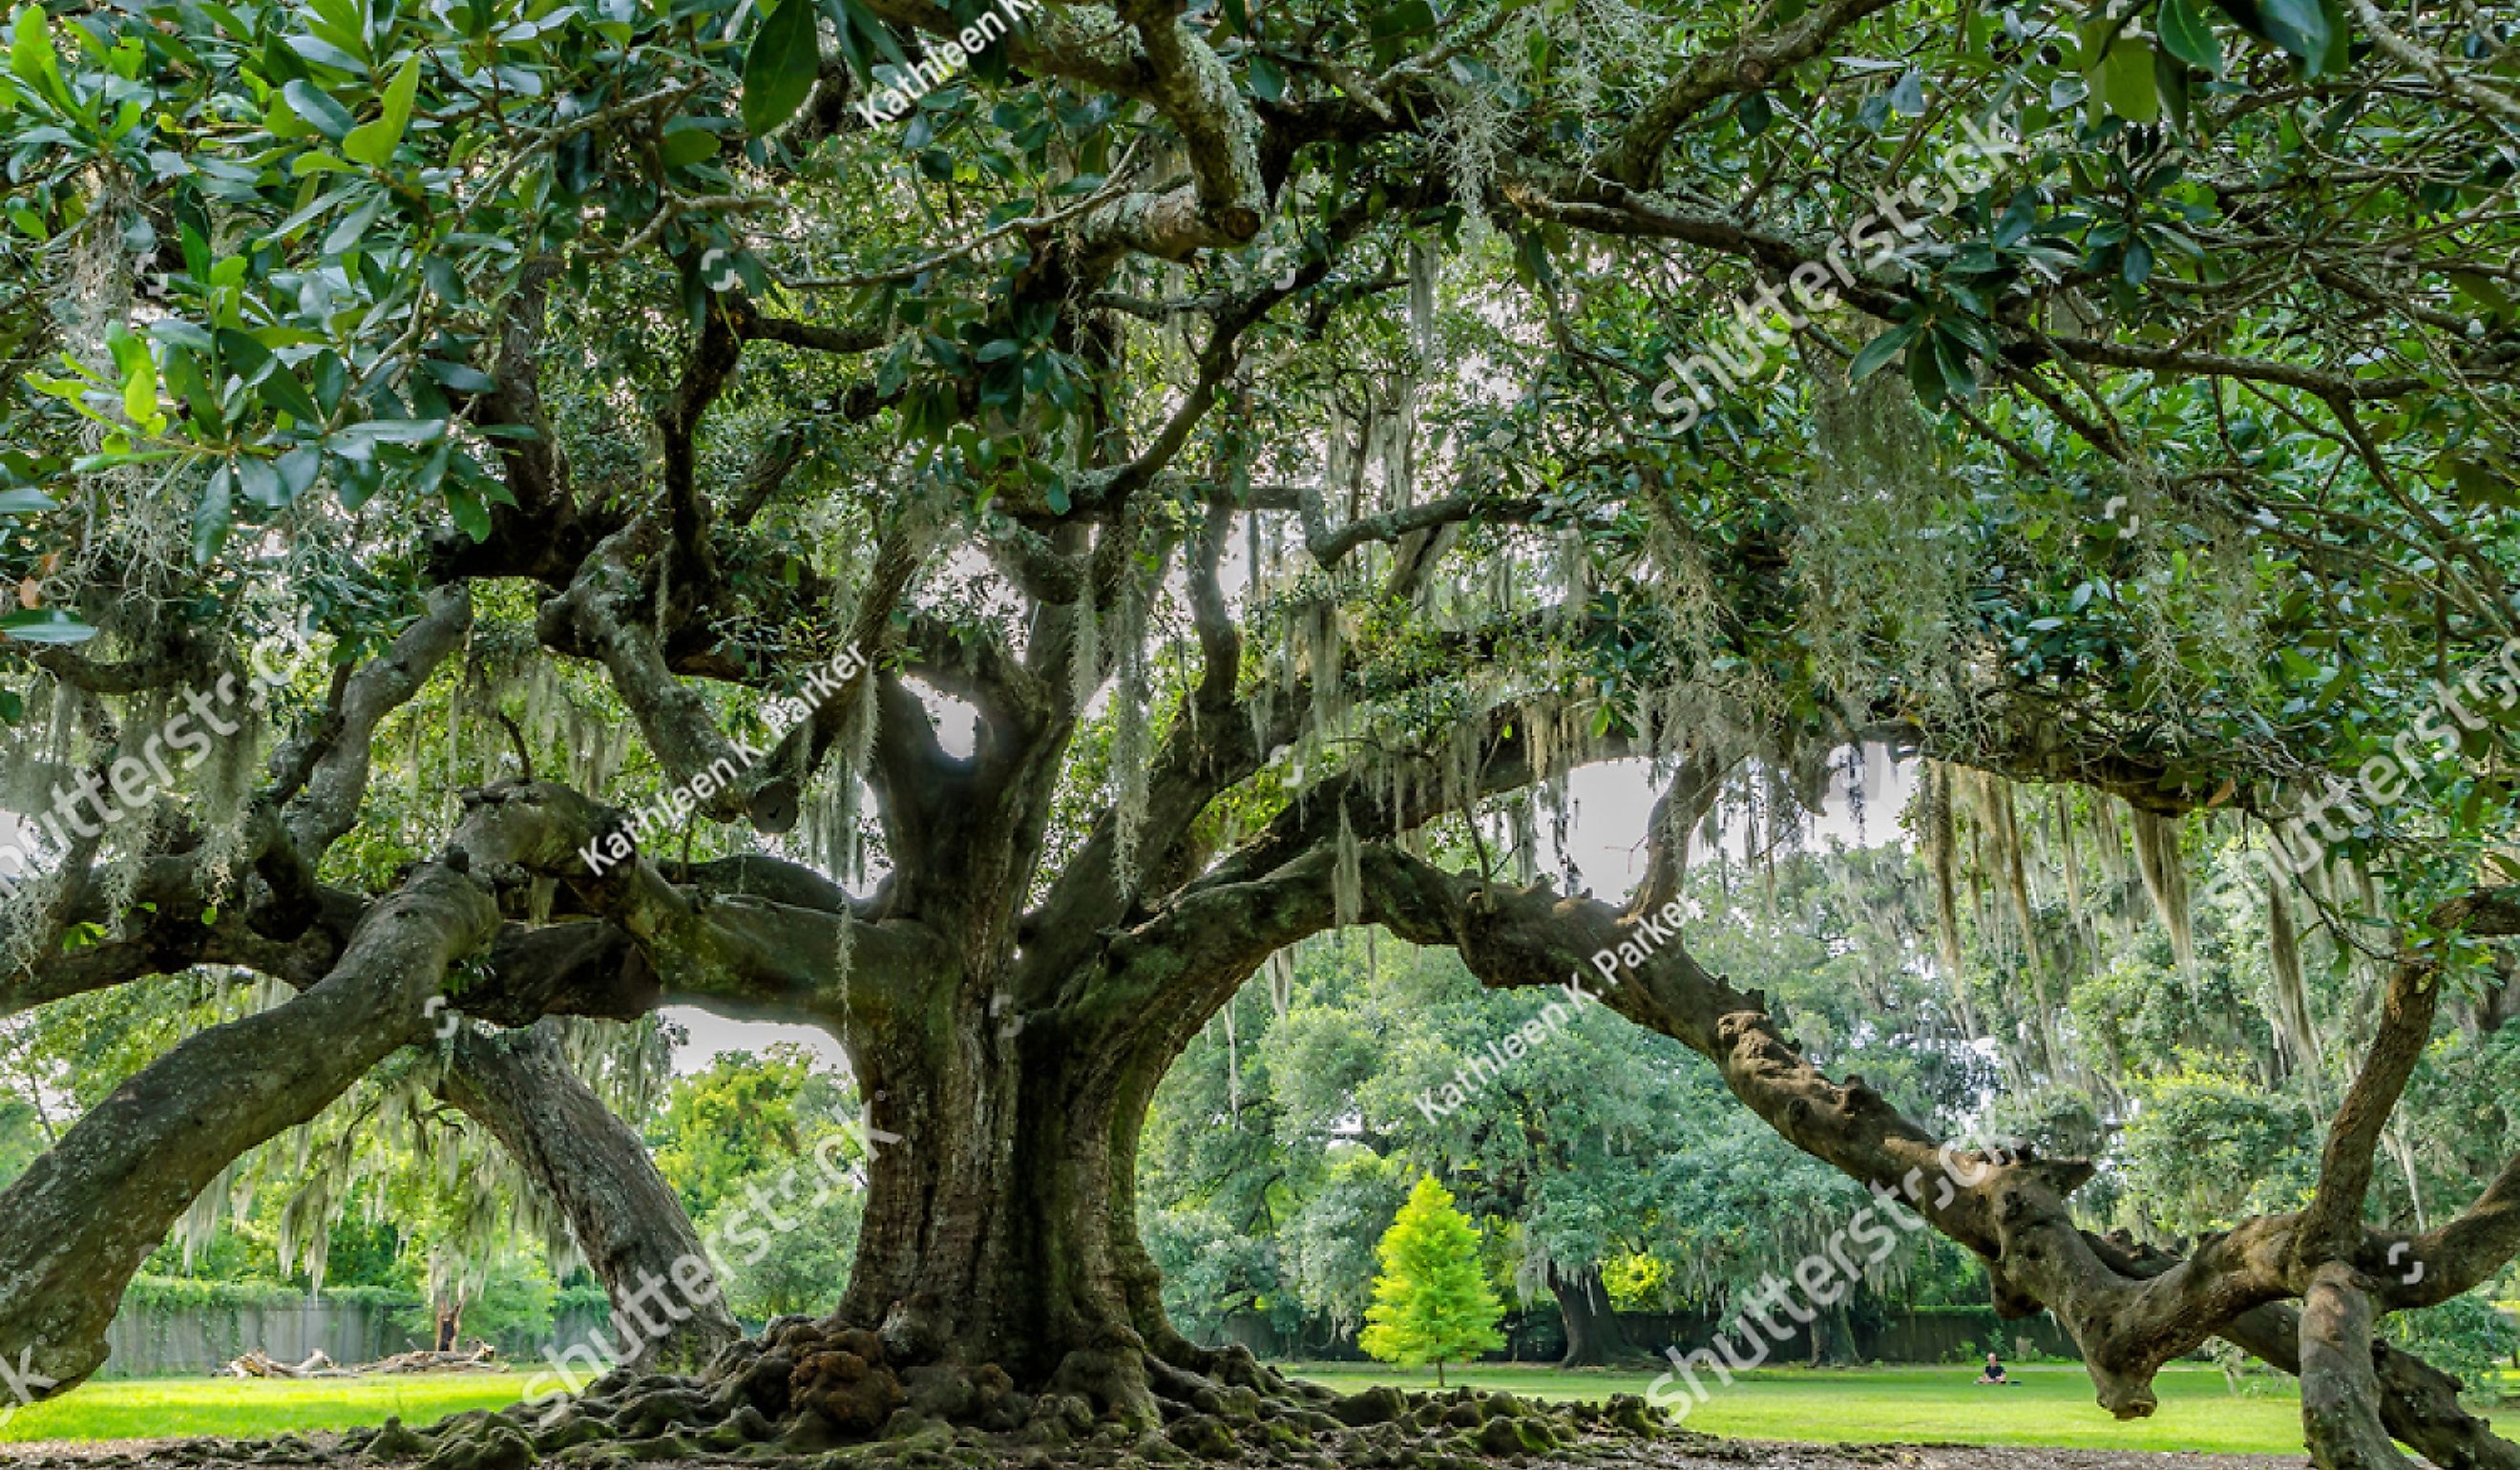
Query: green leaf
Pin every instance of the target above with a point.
(352, 228)
(297, 470)
(2137, 267)
(243, 356)
(32, 59)
(315, 105)
(281, 390)
(1925, 376)
(374, 143)
(184, 378)
(1878, 352)
(463, 377)
(1952, 360)
(1268, 79)
(326, 54)
(2188, 35)
(779, 69)
(25, 502)
(433, 471)
(2483, 290)
(2171, 75)
(686, 145)
(139, 374)
(472, 518)
(45, 625)
(2340, 40)
(260, 483)
(2299, 26)
(356, 482)
(2127, 81)
(212, 518)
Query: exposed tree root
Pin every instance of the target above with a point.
(840, 1396)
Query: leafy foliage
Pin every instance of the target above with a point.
(1432, 1302)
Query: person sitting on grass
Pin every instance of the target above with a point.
(1995, 1373)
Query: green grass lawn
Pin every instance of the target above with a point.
(159, 1408)
(2052, 1405)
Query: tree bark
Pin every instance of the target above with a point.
(2418, 1403)
(1594, 1338)
(1001, 1226)
(635, 1235)
(2340, 1391)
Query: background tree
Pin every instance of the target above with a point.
(1432, 1302)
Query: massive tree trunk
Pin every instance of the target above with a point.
(2340, 1391)
(1001, 1226)
(1594, 1337)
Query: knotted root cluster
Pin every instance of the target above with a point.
(843, 1397)
(824, 1396)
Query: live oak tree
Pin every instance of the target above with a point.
(1432, 1302)
(1043, 555)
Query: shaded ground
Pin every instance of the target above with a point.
(168, 1408)
(1462, 1429)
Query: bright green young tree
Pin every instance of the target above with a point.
(1432, 1303)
